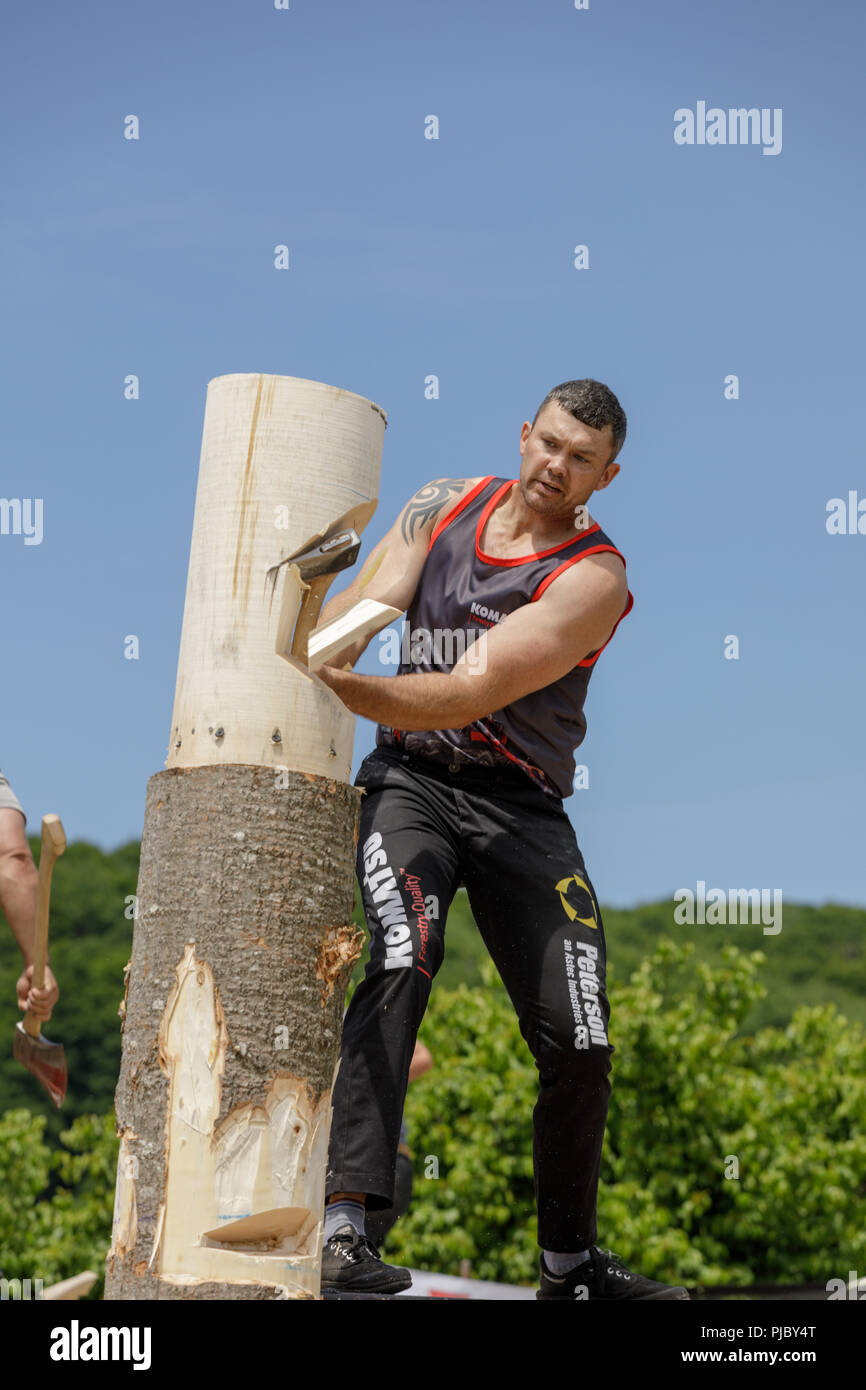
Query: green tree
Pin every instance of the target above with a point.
(56, 1206)
(694, 1101)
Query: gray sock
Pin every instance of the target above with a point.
(344, 1213)
(561, 1264)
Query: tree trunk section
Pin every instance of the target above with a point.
(243, 943)
(223, 1104)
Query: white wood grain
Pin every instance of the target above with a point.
(269, 443)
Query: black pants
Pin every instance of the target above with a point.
(379, 1223)
(425, 829)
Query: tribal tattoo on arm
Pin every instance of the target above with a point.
(426, 503)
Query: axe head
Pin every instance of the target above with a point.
(315, 564)
(46, 1060)
(327, 556)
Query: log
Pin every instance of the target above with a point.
(68, 1290)
(243, 943)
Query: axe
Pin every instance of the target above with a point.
(45, 1059)
(309, 571)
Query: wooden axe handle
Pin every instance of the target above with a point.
(53, 845)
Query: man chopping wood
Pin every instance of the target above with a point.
(473, 758)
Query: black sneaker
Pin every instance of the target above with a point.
(351, 1262)
(603, 1276)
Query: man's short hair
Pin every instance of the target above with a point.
(592, 403)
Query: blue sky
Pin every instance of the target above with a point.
(455, 257)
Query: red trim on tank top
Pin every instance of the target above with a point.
(517, 559)
(522, 763)
(592, 658)
(458, 507)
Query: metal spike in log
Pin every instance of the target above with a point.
(243, 942)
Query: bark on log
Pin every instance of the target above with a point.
(243, 943)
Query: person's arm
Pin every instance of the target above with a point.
(391, 573)
(422, 1060)
(532, 647)
(18, 881)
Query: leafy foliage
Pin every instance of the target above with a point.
(68, 1231)
(710, 1065)
(694, 1103)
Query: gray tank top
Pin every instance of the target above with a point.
(463, 590)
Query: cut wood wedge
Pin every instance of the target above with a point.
(262, 1226)
(361, 620)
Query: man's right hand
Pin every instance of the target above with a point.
(38, 1002)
